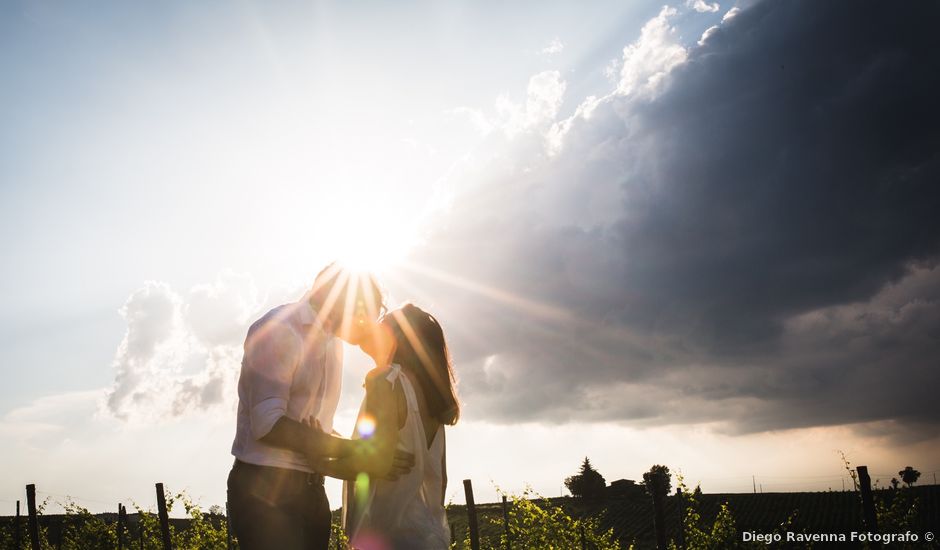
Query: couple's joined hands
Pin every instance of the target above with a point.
(359, 453)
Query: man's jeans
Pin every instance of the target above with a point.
(278, 508)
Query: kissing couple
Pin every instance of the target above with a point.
(394, 465)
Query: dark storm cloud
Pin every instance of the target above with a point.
(796, 163)
(706, 252)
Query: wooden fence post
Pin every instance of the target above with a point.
(16, 528)
(868, 500)
(472, 515)
(33, 520)
(126, 531)
(164, 518)
(506, 523)
(681, 536)
(121, 525)
(659, 520)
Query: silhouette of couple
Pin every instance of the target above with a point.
(394, 464)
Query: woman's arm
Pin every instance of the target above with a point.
(376, 453)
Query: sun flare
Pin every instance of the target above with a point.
(357, 232)
(369, 253)
(369, 238)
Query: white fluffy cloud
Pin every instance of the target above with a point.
(702, 6)
(544, 96)
(648, 60)
(181, 352)
(218, 313)
(152, 349)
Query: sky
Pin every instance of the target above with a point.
(696, 234)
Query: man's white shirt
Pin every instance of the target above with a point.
(292, 367)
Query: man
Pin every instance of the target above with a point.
(288, 391)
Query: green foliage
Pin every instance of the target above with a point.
(203, 533)
(45, 540)
(149, 525)
(82, 530)
(588, 483)
(723, 532)
(6, 534)
(848, 468)
(896, 508)
(338, 538)
(534, 522)
(696, 533)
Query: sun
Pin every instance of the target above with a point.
(371, 243)
(362, 229)
(368, 256)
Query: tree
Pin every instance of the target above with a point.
(658, 480)
(588, 483)
(658, 485)
(909, 475)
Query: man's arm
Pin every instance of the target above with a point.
(313, 444)
(272, 355)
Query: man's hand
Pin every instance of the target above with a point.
(317, 460)
(402, 462)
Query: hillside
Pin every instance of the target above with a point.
(631, 516)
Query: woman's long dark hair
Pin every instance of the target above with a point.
(422, 351)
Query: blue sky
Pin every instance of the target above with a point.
(531, 171)
(118, 119)
(129, 132)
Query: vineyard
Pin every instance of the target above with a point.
(630, 518)
(528, 521)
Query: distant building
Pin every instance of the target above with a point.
(624, 487)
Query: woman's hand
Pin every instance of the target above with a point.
(361, 459)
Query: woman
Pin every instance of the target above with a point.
(410, 397)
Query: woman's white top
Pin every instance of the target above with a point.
(407, 512)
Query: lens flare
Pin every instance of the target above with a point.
(366, 427)
(362, 489)
(370, 541)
